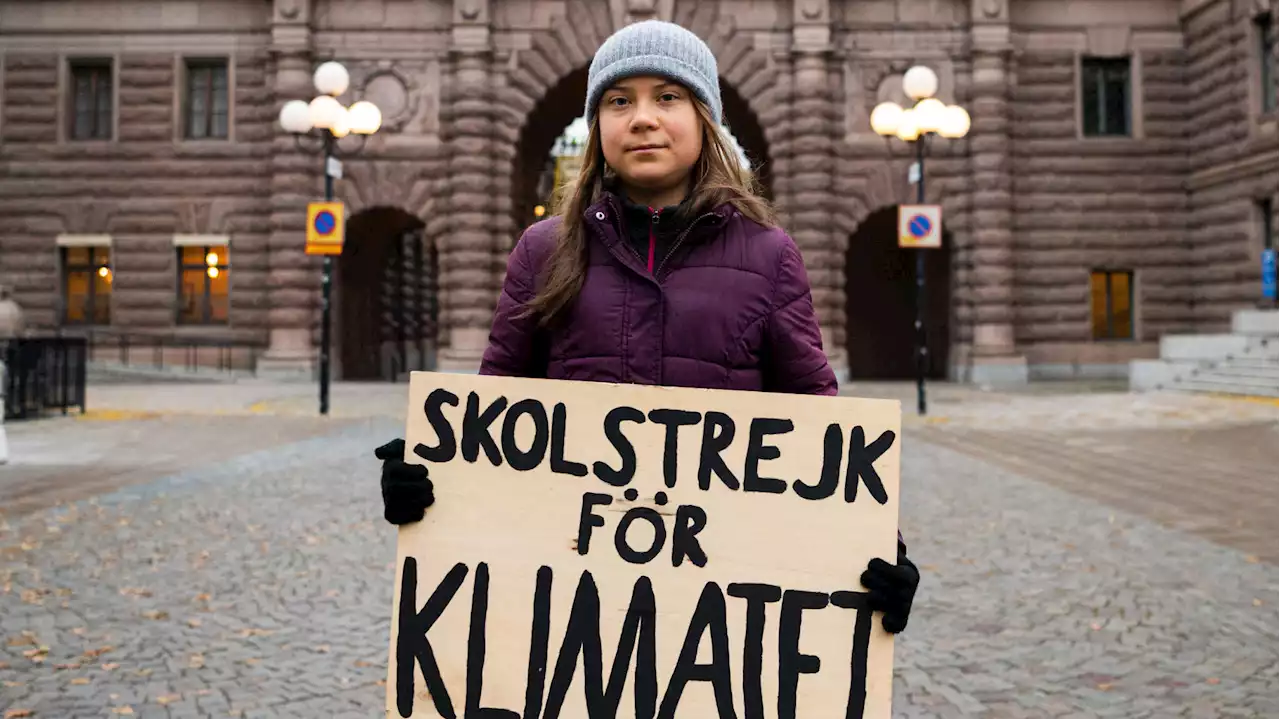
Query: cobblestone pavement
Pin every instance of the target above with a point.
(260, 584)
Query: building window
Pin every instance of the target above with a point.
(1104, 96)
(92, 98)
(86, 285)
(206, 106)
(1263, 28)
(1111, 299)
(204, 284)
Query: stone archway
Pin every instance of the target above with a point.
(880, 302)
(387, 300)
(562, 104)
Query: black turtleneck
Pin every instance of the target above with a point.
(646, 225)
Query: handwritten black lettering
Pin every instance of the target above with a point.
(623, 546)
(412, 644)
(708, 616)
(525, 460)
(861, 459)
(717, 435)
(559, 464)
(690, 520)
(613, 432)
(475, 429)
(757, 595)
(832, 454)
(446, 445)
(791, 663)
(757, 450)
(588, 519)
(673, 420)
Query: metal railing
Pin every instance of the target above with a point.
(153, 350)
(43, 374)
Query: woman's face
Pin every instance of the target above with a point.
(651, 136)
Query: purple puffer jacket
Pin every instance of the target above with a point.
(729, 308)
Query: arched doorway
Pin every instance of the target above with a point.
(880, 302)
(562, 105)
(387, 302)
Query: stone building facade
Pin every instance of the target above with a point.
(1118, 183)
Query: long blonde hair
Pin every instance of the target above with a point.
(717, 178)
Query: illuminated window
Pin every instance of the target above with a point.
(1111, 300)
(91, 100)
(1104, 96)
(206, 100)
(204, 284)
(86, 285)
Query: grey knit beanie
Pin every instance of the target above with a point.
(658, 48)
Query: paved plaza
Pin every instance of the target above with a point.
(219, 551)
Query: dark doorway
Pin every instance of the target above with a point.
(880, 304)
(387, 297)
(562, 104)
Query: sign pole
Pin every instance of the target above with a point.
(922, 350)
(325, 284)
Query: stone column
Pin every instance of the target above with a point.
(993, 355)
(812, 161)
(468, 284)
(294, 282)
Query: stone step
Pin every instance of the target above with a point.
(1234, 368)
(1203, 348)
(1256, 323)
(1228, 385)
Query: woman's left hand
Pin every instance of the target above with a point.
(891, 589)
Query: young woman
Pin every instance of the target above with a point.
(663, 266)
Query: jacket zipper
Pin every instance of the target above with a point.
(653, 239)
(676, 245)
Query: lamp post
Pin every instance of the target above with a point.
(323, 122)
(915, 125)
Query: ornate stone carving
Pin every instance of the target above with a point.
(87, 217)
(198, 217)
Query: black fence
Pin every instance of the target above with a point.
(44, 375)
(142, 350)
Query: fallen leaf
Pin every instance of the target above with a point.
(1105, 686)
(164, 699)
(323, 649)
(135, 592)
(92, 653)
(1252, 559)
(155, 614)
(1257, 602)
(256, 632)
(4, 665)
(203, 597)
(109, 666)
(196, 661)
(1213, 680)
(381, 682)
(19, 713)
(71, 665)
(12, 684)
(122, 710)
(80, 680)
(363, 663)
(251, 661)
(194, 623)
(1095, 626)
(79, 631)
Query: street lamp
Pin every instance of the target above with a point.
(324, 121)
(916, 125)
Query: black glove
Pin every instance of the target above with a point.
(891, 589)
(406, 491)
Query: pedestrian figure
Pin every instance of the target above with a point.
(662, 266)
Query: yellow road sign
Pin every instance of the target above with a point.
(325, 228)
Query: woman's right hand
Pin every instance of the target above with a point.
(406, 490)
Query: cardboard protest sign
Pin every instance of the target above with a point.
(632, 551)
